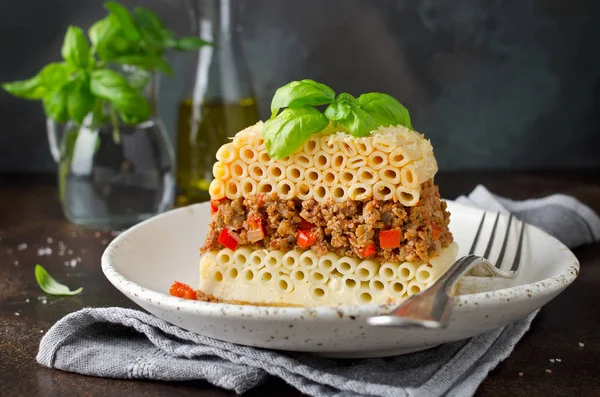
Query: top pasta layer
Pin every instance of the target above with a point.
(390, 164)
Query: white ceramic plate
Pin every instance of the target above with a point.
(145, 260)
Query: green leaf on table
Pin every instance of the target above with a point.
(348, 113)
(76, 49)
(125, 19)
(113, 87)
(80, 100)
(146, 62)
(50, 286)
(287, 132)
(48, 79)
(301, 93)
(385, 109)
(189, 43)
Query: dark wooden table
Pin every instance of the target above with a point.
(31, 221)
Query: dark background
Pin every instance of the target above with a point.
(494, 84)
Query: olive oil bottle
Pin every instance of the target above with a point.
(220, 101)
(199, 137)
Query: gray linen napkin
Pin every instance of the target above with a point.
(125, 343)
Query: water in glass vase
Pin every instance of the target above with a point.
(199, 137)
(115, 178)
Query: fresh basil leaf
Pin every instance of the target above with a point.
(301, 93)
(125, 20)
(145, 61)
(32, 88)
(341, 107)
(348, 113)
(190, 43)
(55, 103)
(359, 123)
(50, 286)
(150, 23)
(385, 109)
(101, 32)
(80, 100)
(110, 85)
(48, 79)
(287, 132)
(75, 49)
(55, 75)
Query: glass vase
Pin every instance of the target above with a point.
(111, 176)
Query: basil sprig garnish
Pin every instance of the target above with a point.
(285, 132)
(85, 81)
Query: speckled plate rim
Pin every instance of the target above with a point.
(548, 286)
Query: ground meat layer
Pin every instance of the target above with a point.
(344, 228)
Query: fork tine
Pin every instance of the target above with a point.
(517, 261)
(504, 243)
(474, 245)
(491, 242)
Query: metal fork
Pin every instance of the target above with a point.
(432, 307)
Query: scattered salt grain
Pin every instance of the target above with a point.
(22, 247)
(16, 263)
(44, 301)
(70, 252)
(551, 360)
(17, 314)
(115, 233)
(41, 331)
(27, 300)
(78, 259)
(49, 240)
(548, 371)
(581, 344)
(67, 263)
(558, 360)
(97, 234)
(45, 251)
(520, 373)
(73, 262)
(104, 241)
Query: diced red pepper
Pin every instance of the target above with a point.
(256, 230)
(306, 238)
(305, 225)
(390, 238)
(261, 199)
(182, 290)
(214, 205)
(227, 239)
(435, 232)
(367, 251)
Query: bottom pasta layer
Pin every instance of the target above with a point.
(302, 278)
